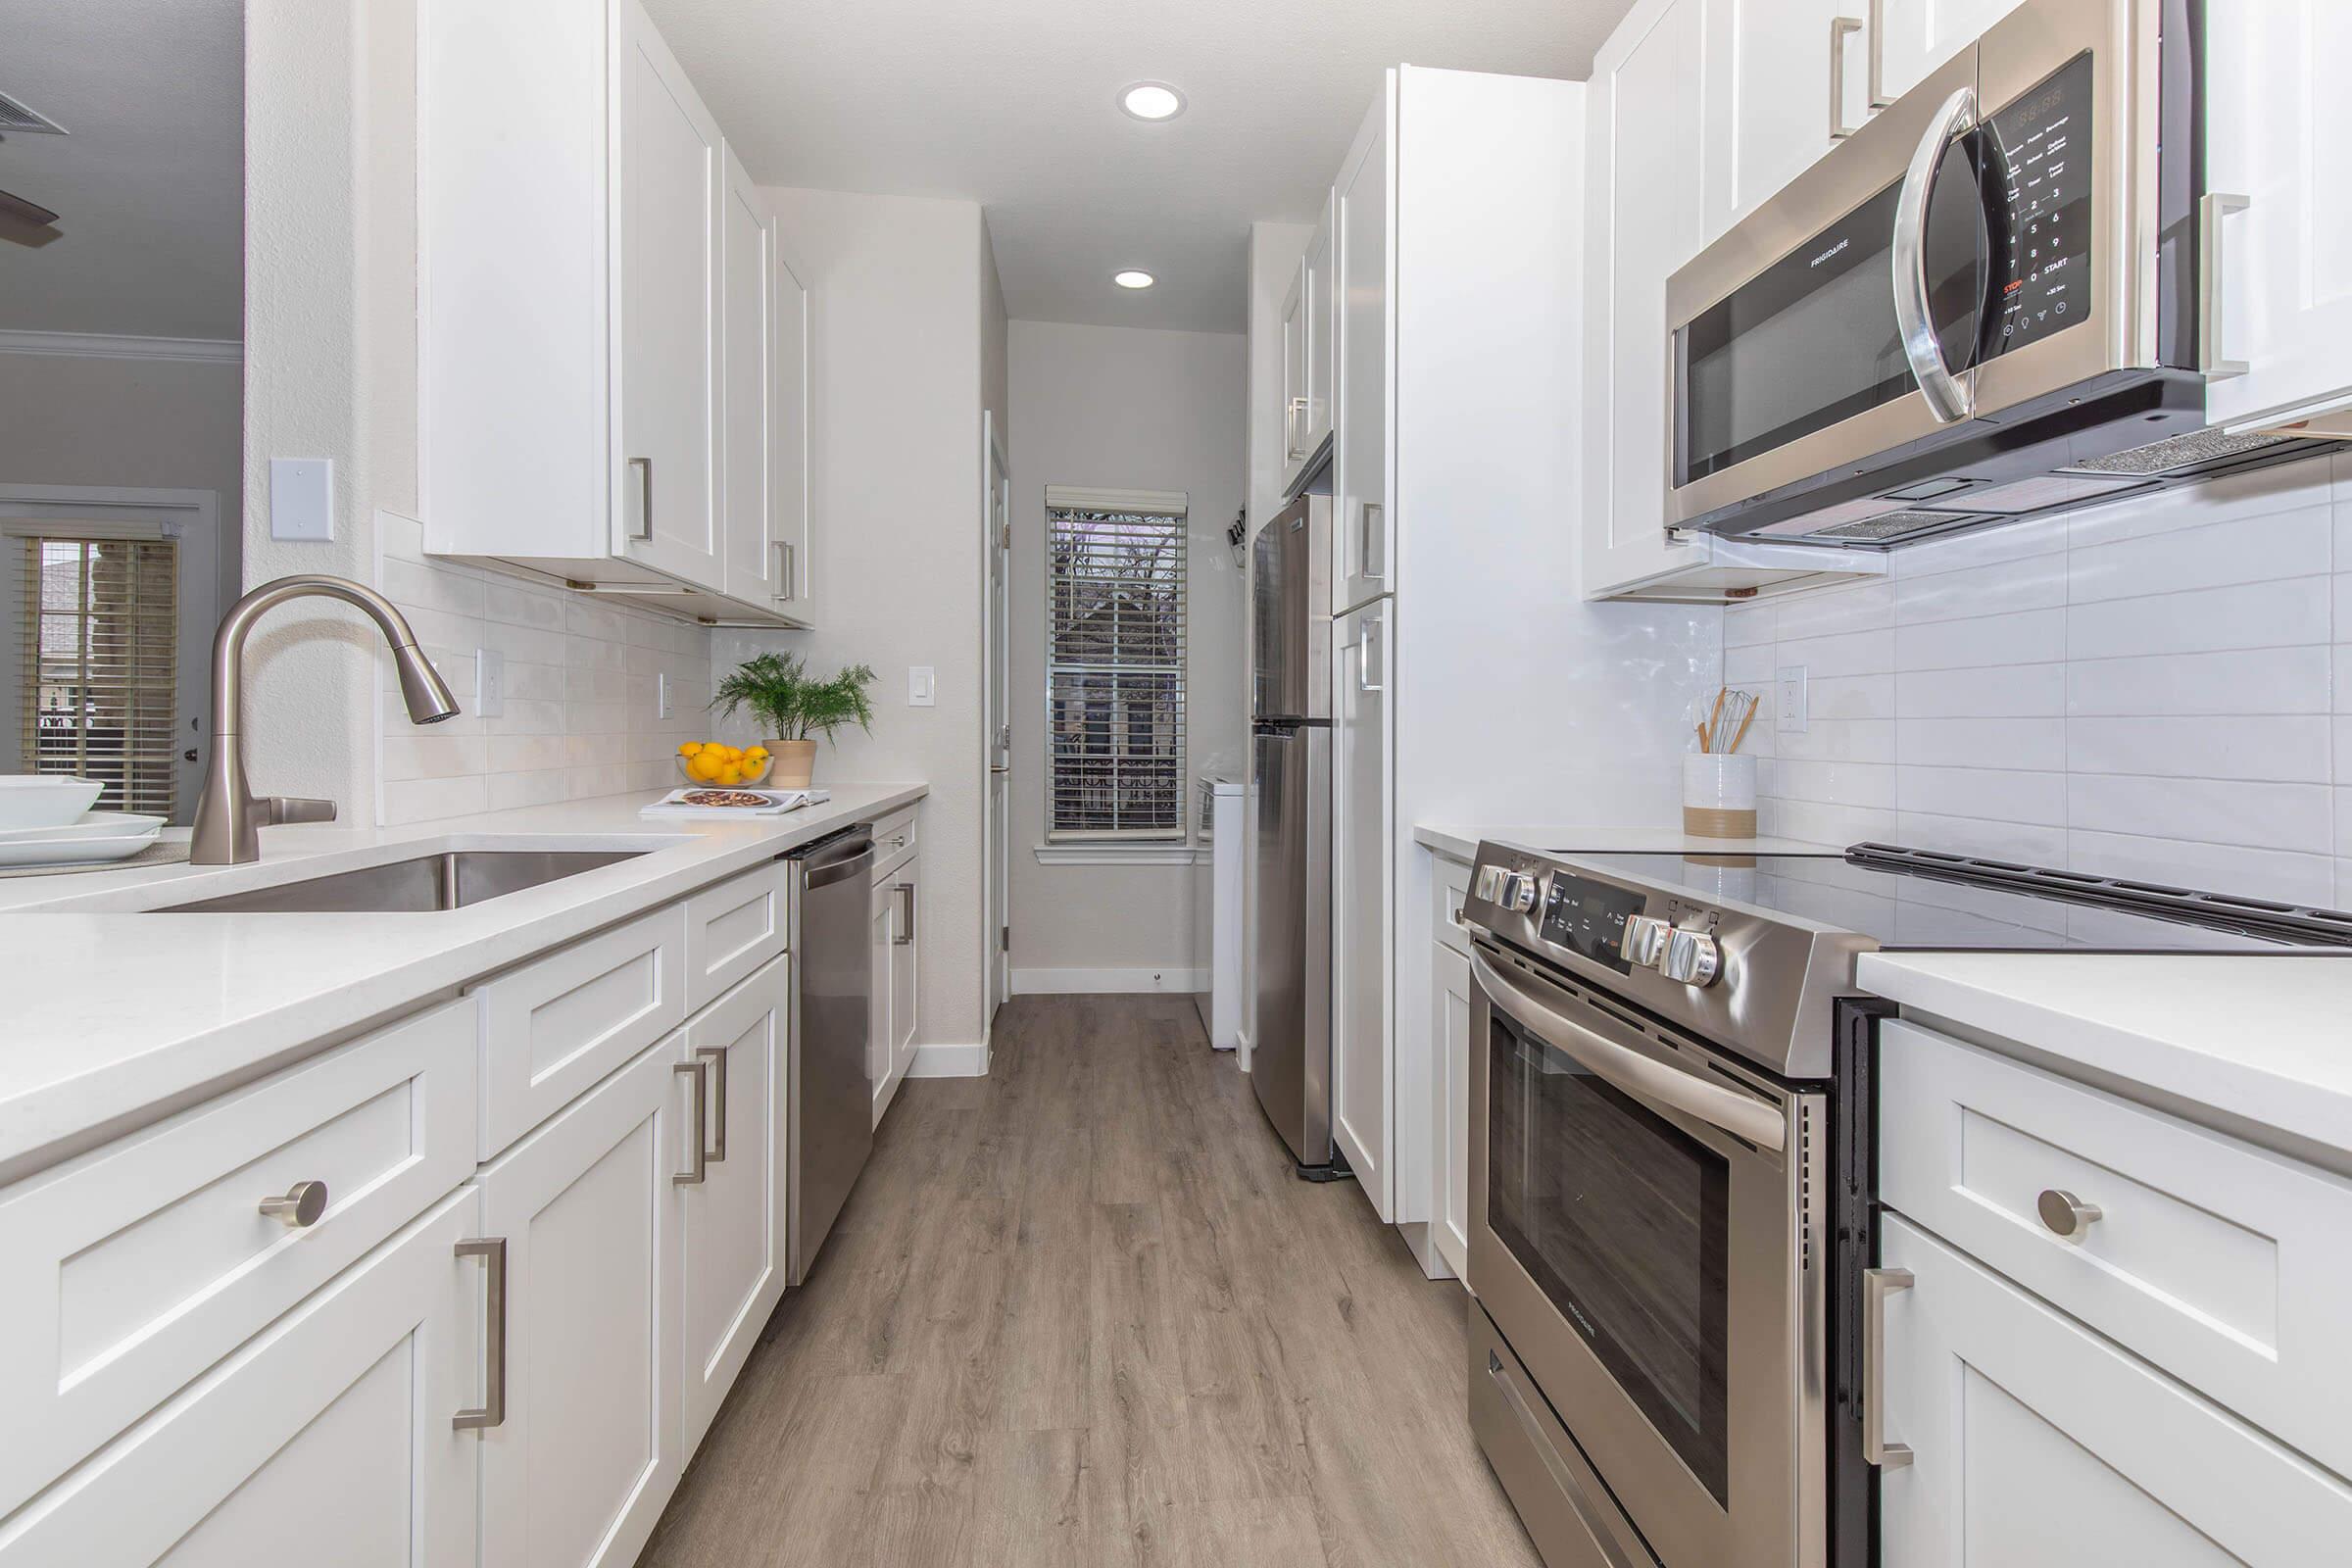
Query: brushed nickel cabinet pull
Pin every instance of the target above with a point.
(492, 1412)
(1878, 1284)
(300, 1208)
(698, 1099)
(716, 1056)
(645, 498)
(1840, 29)
(2212, 208)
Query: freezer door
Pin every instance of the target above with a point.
(1290, 1063)
(1290, 623)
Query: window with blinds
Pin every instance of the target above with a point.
(1115, 663)
(101, 665)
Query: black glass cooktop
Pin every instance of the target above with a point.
(1903, 898)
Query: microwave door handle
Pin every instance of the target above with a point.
(1947, 398)
(1631, 1071)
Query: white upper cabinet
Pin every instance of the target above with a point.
(1360, 453)
(793, 526)
(754, 555)
(597, 338)
(1798, 74)
(1645, 180)
(1918, 35)
(2278, 123)
(667, 377)
(1309, 353)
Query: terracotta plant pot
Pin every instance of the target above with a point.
(796, 765)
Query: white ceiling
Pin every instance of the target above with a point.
(1012, 103)
(149, 184)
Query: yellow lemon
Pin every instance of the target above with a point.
(754, 750)
(689, 748)
(706, 766)
(730, 776)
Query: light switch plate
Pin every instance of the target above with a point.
(489, 682)
(665, 705)
(302, 499)
(1788, 713)
(921, 686)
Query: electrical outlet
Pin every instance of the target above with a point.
(1790, 714)
(921, 686)
(665, 705)
(489, 682)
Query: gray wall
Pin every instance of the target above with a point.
(1126, 409)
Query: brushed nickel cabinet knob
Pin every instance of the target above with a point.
(2066, 1214)
(300, 1208)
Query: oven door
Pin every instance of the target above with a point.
(1638, 1234)
(1969, 251)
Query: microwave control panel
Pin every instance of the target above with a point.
(2038, 198)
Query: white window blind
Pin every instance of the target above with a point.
(101, 664)
(1115, 663)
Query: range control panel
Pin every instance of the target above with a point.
(2038, 184)
(1587, 919)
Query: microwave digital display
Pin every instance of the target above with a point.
(2037, 182)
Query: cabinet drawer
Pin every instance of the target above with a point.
(894, 841)
(2035, 1441)
(2222, 1263)
(130, 1270)
(731, 930)
(327, 1440)
(553, 1027)
(1450, 886)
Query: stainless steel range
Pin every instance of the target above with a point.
(1672, 1179)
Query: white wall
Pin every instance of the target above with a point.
(158, 424)
(1125, 409)
(2160, 689)
(897, 380)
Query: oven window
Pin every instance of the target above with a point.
(1812, 339)
(1620, 1219)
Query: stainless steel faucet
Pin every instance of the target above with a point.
(229, 819)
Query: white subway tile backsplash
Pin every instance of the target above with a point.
(420, 800)
(2260, 815)
(2160, 688)
(2259, 549)
(2291, 748)
(2261, 680)
(2266, 614)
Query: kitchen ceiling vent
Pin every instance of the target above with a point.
(20, 118)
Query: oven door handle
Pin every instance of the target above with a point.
(1637, 1075)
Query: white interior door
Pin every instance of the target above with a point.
(997, 521)
(191, 519)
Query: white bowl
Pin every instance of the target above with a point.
(45, 799)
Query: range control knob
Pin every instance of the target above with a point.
(1692, 958)
(1518, 892)
(1644, 941)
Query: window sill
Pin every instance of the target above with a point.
(1170, 852)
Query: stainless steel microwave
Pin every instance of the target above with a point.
(1993, 300)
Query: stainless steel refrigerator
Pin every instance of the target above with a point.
(1290, 777)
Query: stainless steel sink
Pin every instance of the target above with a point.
(451, 880)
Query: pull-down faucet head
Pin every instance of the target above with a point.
(228, 818)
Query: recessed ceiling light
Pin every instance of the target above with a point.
(1151, 100)
(1133, 277)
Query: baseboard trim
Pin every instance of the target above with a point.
(105, 346)
(1104, 982)
(948, 1061)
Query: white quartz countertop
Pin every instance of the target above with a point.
(2256, 1045)
(1461, 843)
(116, 1017)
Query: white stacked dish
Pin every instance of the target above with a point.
(48, 822)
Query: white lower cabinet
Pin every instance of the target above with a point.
(1362, 930)
(1450, 1027)
(2038, 1443)
(590, 1447)
(327, 1438)
(731, 1224)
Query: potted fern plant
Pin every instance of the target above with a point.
(797, 707)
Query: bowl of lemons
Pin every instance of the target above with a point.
(727, 766)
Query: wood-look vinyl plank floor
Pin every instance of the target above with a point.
(1080, 1312)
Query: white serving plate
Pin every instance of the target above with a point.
(76, 852)
(95, 825)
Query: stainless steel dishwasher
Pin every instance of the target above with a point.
(832, 1094)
